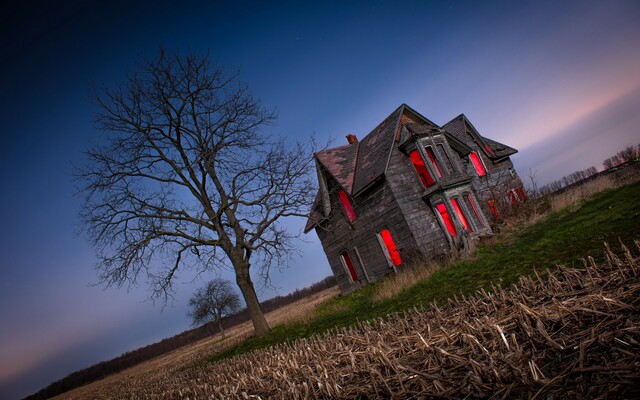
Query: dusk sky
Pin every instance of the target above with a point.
(559, 81)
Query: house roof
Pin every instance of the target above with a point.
(358, 165)
(458, 128)
(340, 162)
(316, 214)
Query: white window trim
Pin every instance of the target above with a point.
(386, 252)
(346, 268)
(364, 270)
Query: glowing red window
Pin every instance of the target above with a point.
(346, 205)
(512, 196)
(390, 245)
(473, 207)
(477, 164)
(348, 265)
(460, 214)
(488, 149)
(494, 209)
(434, 161)
(446, 218)
(423, 173)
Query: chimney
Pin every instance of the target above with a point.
(351, 138)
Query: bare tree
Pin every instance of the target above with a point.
(627, 154)
(185, 177)
(213, 302)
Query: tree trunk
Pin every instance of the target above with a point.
(243, 279)
(220, 327)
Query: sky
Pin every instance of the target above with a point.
(559, 81)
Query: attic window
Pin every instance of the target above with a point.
(460, 214)
(477, 163)
(348, 265)
(389, 248)
(346, 205)
(421, 169)
(489, 151)
(446, 218)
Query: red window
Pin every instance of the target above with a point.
(512, 196)
(434, 161)
(423, 173)
(346, 205)
(477, 163)
(348, 265)
(390, 245)
(494, 209)
(488, 149)
(522, 195)
(460, 214)
(473, 207)
(446, 218)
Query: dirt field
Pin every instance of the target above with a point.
(575, 334)
(152, 372)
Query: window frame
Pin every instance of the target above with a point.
(444, 216)
(347, 206)
(475, 210)
(391, 261)
(477, 164)
(460, 213)
(418, 163)
(349, 267)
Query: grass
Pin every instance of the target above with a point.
(564, 237)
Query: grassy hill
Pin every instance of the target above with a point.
(535, 240)
(562, 237)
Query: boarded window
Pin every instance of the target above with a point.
(446, 218)
(471, 204)
(348, 266)
(389, 247)
(460, 214)
(434, 161)
(421, 169)
(346, 205)
(477, 164)
(447, 161)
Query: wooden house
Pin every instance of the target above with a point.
(408, 190)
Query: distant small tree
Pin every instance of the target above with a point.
(213, 302)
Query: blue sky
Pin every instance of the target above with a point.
(560, 81)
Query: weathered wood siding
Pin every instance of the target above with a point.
(420, 218)
(376, 210)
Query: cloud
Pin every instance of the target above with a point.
(586, 142)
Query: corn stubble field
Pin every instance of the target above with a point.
(574, 334)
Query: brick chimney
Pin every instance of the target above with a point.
(351, 138)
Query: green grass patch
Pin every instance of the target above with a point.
(564, 237)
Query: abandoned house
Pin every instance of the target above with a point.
(408, 190)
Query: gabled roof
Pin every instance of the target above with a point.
(358, 165)
(375, 148)
(340, 162)
(461, 128)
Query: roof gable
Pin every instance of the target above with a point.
(461, 128)
(340, 162)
